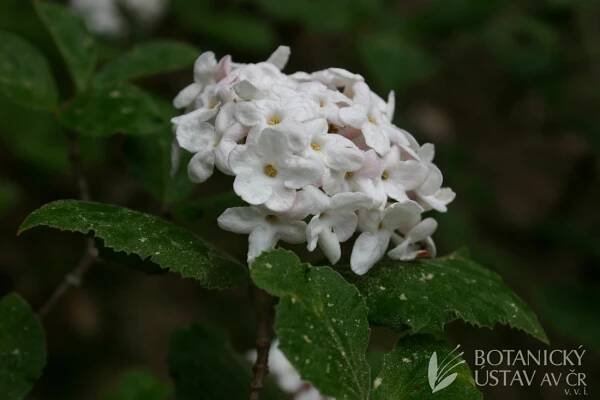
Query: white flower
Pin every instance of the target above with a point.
(318, 148)
(205, 70)
(264, 228)
(367, 115)
(399, 176)
(430, 193)
(377, 228)
(415, 239)
(268, 173)
(367, 180)
(334, 151)
(286, 116)
(335, 223)
(210, 143)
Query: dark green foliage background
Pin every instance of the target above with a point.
(509, 91)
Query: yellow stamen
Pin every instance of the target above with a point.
(349, 175)
(315, 146)
(385, 175)
(372, 119)
(270, 171)
(274, 120)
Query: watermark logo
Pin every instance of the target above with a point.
(440, 375)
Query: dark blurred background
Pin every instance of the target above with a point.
(509, 92)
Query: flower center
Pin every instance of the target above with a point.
(322, 103)
(270, 171)
(271, 218)
(315, 146)
(372, 119)
(385, 175)
(349, 175)
(274, 120)
(333, 128)
(212, 103)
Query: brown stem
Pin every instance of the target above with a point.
(264, 335)
(90, 253)
(73, 278)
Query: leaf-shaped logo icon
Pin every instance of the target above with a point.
(441, 376)
(447, 381)
(432, 370)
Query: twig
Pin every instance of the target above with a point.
(264, 335)
(72, 279)
(90, 253)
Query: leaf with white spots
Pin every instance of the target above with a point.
(22, 348)
(25, 76)
(118, 108)
(408, 372)
(74, 42)
(426, 295)
(321, 323)
(167, 245)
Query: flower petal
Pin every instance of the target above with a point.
(422, 230)
(402, 216)
(376, 138)
(253, 188)
(263, 238)
(368, 249)
(280, 57)
(247, 113)
(293, 232)
(309, 201)
(187, 96)
(299, 172)
(201, 166)
(240, 219)
(342, 154)
(281, 199)
(354, 115)
(343, 224)
(247, 91)
(329, 244)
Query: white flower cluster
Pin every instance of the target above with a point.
(286, 376)
(106, 17)
(315, 156)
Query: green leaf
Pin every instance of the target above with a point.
(119, 108)
(147, 236)
(416, 367)
(148, 59)
(139, 385)
(205, 367)
(25, 76)
(72, 39)
(321, 323)
(394, 61)
(425, 295)
(22, 348)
